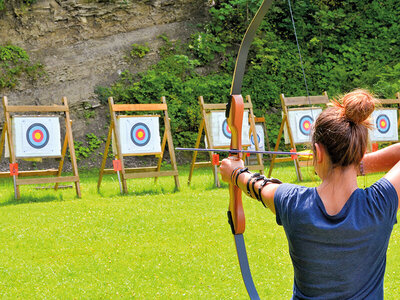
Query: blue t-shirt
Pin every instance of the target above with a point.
(341, 256)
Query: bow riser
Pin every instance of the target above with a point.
(235, 121)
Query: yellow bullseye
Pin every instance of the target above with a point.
(140, 134)
(37, 135)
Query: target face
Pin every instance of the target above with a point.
(382, 123)
(305, 124)
(260, 138)
(226, 130)
(220, 132)
(252, 139)
(300, 122)
(140, 134)
(37, 135)
(385, 125)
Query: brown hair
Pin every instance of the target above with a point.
(343, 128)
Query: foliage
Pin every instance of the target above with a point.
(87, 149)
(15, 63)
(2, 5)
(344, 45)
(138, 51)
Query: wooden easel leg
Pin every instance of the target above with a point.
(70, 140)
(215, 172)
(164, 142)
(103, 162)
(278, 140)
(63, 153)
(197, 145)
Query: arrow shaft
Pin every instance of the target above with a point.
(243, 151)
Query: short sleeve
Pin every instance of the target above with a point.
(281, 201)
(383, 198)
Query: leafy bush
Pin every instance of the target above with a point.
(15, 63)
(344, 45)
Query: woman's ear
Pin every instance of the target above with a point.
(320, 152)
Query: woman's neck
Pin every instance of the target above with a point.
(336, 188)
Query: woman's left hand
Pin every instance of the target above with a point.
(228, 165)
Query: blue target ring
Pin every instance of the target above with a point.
(140, 134)
(37, 135)
(305, 125)
(252, 139)
(383, 123)
(226, 130)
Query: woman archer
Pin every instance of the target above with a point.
(338, 234)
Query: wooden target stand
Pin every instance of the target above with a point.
(206, 127)
(119, 165)
(261, 122)
(55, 174)
(386, 104)
(293, 104)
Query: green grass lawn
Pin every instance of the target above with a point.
(153, 243)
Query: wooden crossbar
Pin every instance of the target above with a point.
(139, 107)
(35, 108)
(47, 180)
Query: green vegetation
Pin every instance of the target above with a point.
(150, 244)
(138, 51)
(344, 44)
(86, 149)
(15, 63)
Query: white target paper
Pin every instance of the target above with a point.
(139, 135)
(385, 125)
(36, 137)
(260, 139)
(220, 132)
(301, 121)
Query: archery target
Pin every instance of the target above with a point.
(260, 138)
(36, 136)
(220, 131)
(139, 135)
(301, 121)
(385, 125)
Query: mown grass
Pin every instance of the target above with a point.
(153, 243)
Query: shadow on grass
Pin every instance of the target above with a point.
(31, 199)
(142, 192)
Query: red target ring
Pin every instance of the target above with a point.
(305, 125)
(226, 130)
(37, 135)
(383, 123)
(140, 134)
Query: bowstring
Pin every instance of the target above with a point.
(301, 59)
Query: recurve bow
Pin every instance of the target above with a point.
(234, 114)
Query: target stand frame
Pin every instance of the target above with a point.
(114, 135)
(52, 175)
(291, 104)
(205, 126)
(260, 121)
(388, 104)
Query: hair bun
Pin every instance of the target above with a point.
(358, 105)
